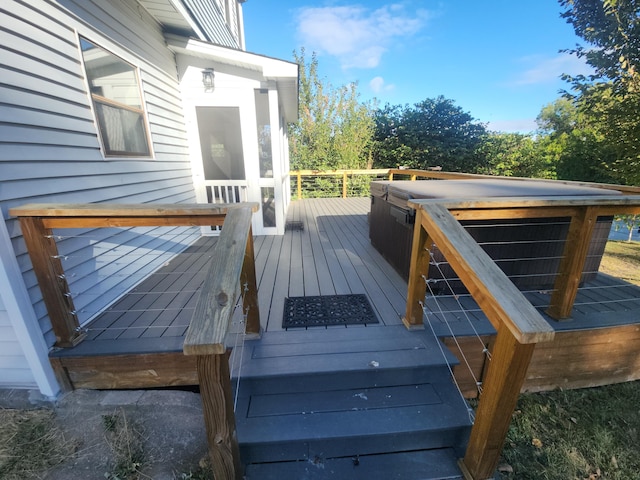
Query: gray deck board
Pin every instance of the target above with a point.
(331, 255)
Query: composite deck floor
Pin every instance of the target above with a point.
(329, 255)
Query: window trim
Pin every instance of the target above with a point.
(97, 99)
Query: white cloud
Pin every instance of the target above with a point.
(546, 70)
(522, 125)
(356, 35)
(378, 85)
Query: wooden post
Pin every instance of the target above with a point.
(572, 263)
(299, 185)
(48, 269)
(205, 337)
(250, 304)
(505, 377)
(419, 268)
(217, 406)
(344, 184)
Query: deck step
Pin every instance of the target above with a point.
(310, 401)
(437, 464)
(430, 416)
(307, 361)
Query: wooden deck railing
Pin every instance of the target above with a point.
(344, 177)
(37, 222)
(231, 274)
(518, 324)
(350, 180)
(206, 338)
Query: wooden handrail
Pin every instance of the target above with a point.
(37, 221)
(206, 339)
(436, 174)
(439, 175)
(342, 173)
(576, 246)
(518, 324)
(232, 271)
(498, 297)
(221, 288)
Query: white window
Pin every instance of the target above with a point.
(117, 103)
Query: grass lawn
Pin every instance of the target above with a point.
(591, 433)
(622, 259)
(581, 434)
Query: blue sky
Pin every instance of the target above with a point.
(498, 60)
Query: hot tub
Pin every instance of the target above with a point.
(527, 250)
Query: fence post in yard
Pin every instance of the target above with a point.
(299, 176)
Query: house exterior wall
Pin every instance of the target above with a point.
(50, 150)
(23, 353)
(13, 362)
(219, 20)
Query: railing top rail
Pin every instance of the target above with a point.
(212, 315)
(496, 203)
(498, 297)
(356, 171)
(627, 189)
(124, 209)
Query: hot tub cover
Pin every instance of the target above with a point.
(399, 192)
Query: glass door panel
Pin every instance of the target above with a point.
(221, 143)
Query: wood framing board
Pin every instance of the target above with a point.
(586, 358)
(127, 371)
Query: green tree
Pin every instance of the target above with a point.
(629, 221)
(434, 132)
(334, 129)
(517, 155)
(611, 95)
(570, 136)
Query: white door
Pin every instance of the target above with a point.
(241, 158)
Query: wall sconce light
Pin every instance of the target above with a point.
(207, 79)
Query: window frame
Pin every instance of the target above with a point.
(98, 101)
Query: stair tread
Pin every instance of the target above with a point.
(447, 414)
(263, 405)
(340, 392)
(437, 464)
(328, 352)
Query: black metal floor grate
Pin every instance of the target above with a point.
(327, 310)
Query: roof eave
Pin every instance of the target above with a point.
(282, 72)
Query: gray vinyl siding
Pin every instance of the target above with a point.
(213, 22)
(13, 364)
(50, 151)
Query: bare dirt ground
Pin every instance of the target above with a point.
(117, 435)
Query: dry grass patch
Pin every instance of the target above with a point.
(31, 443)
(622, 260)
(126, 440)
